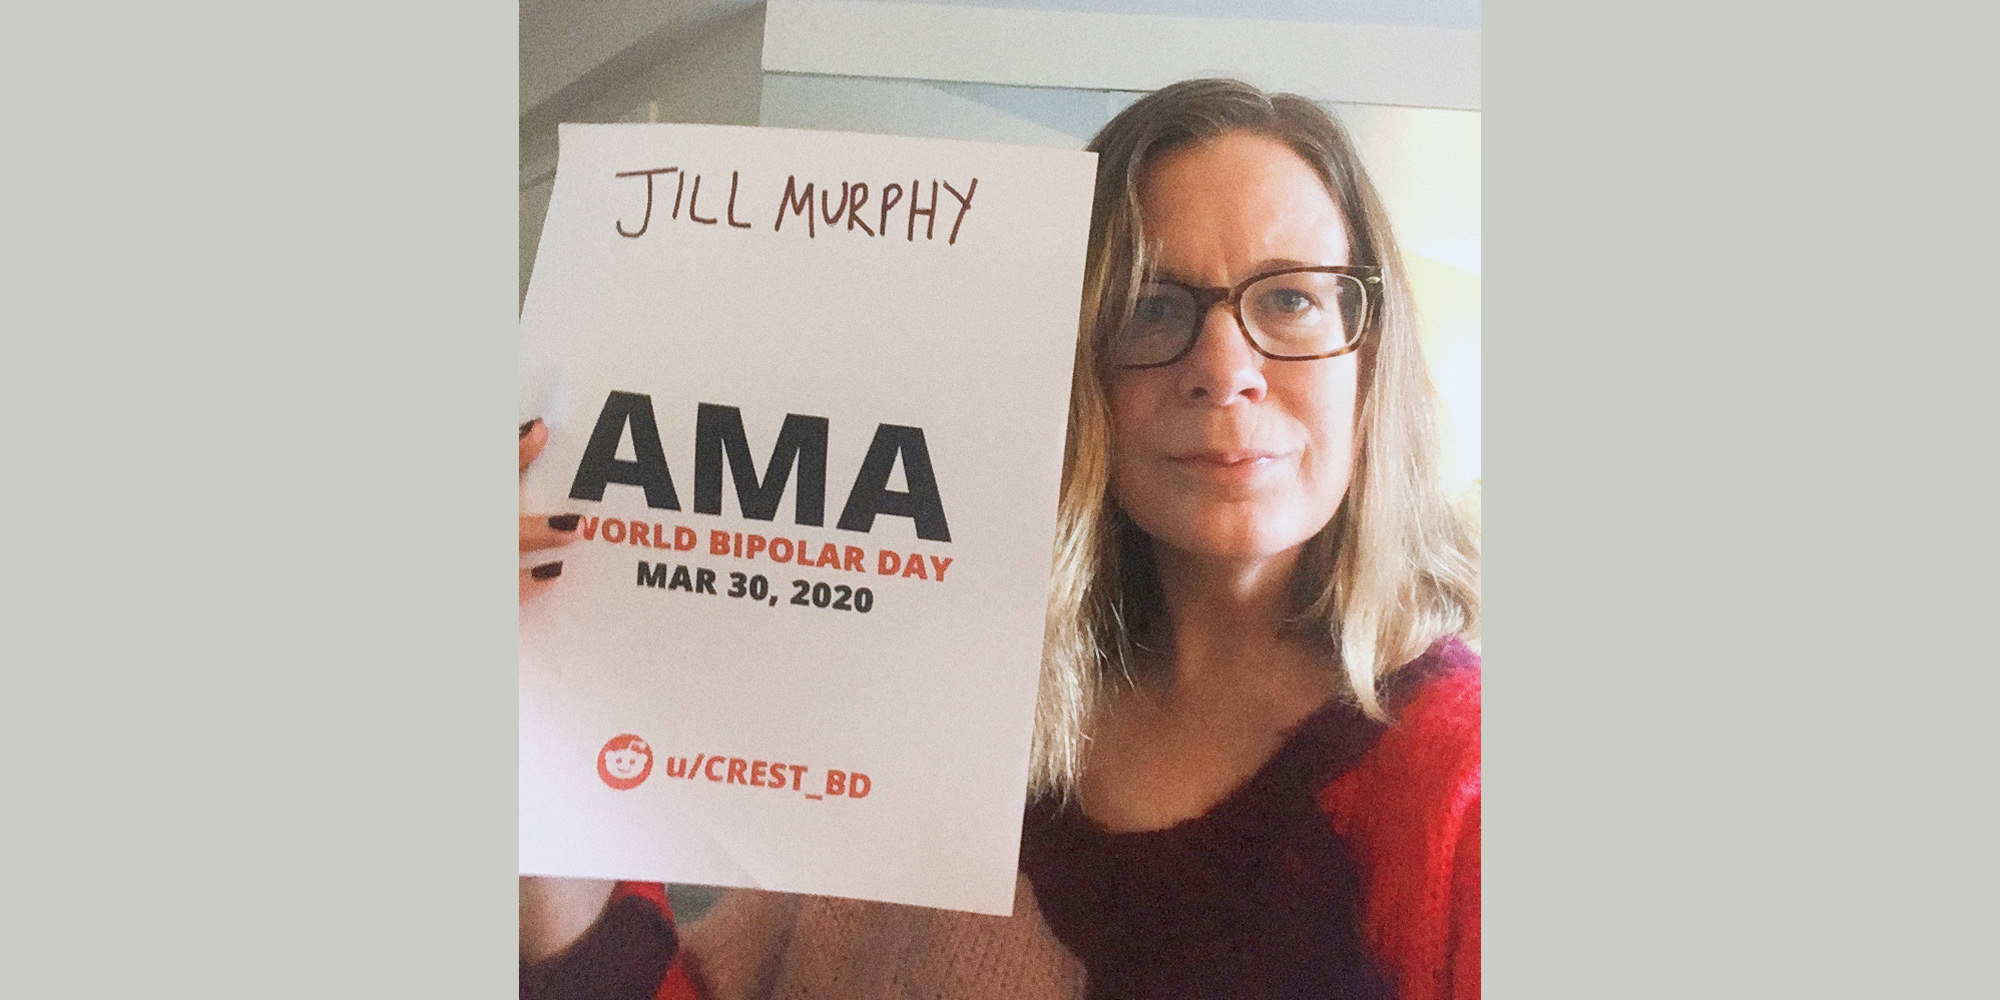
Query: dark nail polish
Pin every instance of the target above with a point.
(530, 425)
(546, 571)
(565, 522)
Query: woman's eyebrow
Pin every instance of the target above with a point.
(1280, 263)
(1268, 264)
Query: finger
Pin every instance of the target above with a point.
(536, 580)
(539, 531)
(534, 434)
(555, 912)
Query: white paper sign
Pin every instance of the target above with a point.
(808, 391)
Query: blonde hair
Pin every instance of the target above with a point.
(1394, 571)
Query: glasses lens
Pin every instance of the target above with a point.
(1304, 313)
(1162, 320)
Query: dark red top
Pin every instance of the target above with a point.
(1257, 898)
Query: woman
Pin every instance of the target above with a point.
(1256, 760)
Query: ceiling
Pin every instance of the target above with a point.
(1430, 13)
(563, 40)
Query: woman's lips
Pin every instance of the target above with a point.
(1236, 456)
(1233, 466)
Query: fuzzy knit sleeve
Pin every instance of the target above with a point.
(755, 945)
(1410, 813)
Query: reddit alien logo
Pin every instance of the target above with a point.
(625, 761)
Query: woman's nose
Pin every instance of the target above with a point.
(1221, 366)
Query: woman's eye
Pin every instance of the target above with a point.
(1289, 303)
(1159, 309)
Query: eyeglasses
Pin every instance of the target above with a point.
(1294, 314)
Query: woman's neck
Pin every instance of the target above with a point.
(1223, 678)
(1226, 621)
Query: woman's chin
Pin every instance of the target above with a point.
(1208, 529)
(1225, 543)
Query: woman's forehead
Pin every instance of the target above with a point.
(1238, 203)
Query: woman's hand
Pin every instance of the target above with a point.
(541, 531)
(556, 911)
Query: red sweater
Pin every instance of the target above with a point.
(1407, 812)
(1410, 813)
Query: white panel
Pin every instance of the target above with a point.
(897, 107)
(1354, 63)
